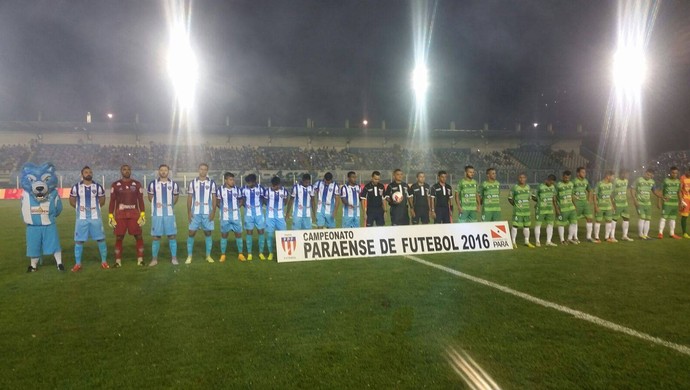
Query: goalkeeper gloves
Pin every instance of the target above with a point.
(142, 219)
(111, 221)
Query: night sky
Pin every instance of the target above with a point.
(499, 62)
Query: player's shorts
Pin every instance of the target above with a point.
(375, 217)
(567, 217)
(231, 225)
(163, 226)
(442, 215)
(604, 215)
(42, 240)
(350, 222)
(85, 228)
(201, 221)
(301, 223)
(584, 210)
(125, 225)
(685, 211)
(420, 219)
(545, 218)
(254, 221)
(491, 216)
(273, 224)
(669, 210)
(468, 216)
(324, 219)
(621, 212)
(399, 215)
(522, 221)
(644, 212)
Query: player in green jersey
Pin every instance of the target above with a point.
(543, 210)
(519, 198)
(582, 197)
(620, 200)
(565, 209)
(489, 194)
(604, 207)
(467, 199)
(668, 203)
(642, 199)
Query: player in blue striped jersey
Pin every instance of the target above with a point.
(253, 195)
(349, 196)
(229, 203)
(326, 193)
(302, 204)
(276, 198)
(201, 210)
(87, 197)
(163, 194)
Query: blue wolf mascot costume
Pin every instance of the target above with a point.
(41, 204)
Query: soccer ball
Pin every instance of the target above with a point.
(397, 197)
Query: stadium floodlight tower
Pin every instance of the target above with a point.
(629, 69)
(181, 60)
(420, 82)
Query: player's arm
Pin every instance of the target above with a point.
(101, 196)
(595, 201)
(150, 190)
(633, 194)
(190, 195)
(142, 209)
(457, 199)
(363, 199)
(214, 199)
(289, 204)
(511, 198)
(554, 200)
(176, 193)
(479, 201)
(73, 197)
(113, 200)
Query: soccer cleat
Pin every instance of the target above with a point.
(594, 240)
(31, 269)
(643, 237)
(564, 242)
(104, 265)
(676, 237)
(626, 238)
(551, 244)
(249, 258)
(140, 262)
(660, 236)
(577, 242)
(61, 267)
(572, 241)
(270, 256)
(529, 245)
(210, 259)
(189, 260)
(611, 239)
(174, 261)
(261, 256)
(222, 258)
(537, 244)
(241, 257)
(514, 246)
(76, 268)
(153, 263)
(117, 264)
(686, 235)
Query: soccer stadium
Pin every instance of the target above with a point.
(276, 195)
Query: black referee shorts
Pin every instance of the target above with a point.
(420, 216)
(399, 216)
(442, 215)
(375, 217)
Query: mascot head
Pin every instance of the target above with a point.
(39, 180)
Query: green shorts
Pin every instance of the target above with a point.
(468, 216)
(567, 217)
(669, 210)
(522, 221)
(547, 218)
(621, 212)
(644, 212)
(491, 216)
(583, 210)
(605, 215)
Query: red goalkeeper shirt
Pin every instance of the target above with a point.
(126, 199)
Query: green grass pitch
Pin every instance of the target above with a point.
(360, 323)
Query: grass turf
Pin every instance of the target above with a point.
(379, 323)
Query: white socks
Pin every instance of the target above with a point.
(589, 230)
(626, 226)
(513, 232)
(662, 225)
(525, 231)
(537, 232)
(646, 228)
(58, 257)
(672, 226)
(607, 230)
(549, 233)
(597, 229)
(572, 231)
(561, 233)
(640, 227)
(613, 229)
(34, 262)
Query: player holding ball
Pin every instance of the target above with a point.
(126, 213)
(397, 194)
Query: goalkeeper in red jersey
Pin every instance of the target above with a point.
(126, 213)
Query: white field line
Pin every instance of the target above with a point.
(575, 313)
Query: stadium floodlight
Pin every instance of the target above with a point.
(109, 115)
(420, 81)
(629, 68)
(365, 122)
(182, 65)
(535, 124)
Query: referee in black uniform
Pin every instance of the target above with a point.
(439, 199)
(419, 200)
(399, 213)
(372, 195)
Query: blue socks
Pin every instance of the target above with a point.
(209, 245)
(103, 249)
(173, 247)
(190, 245)
(78, 250)
(155, 247)
(223, 245)
(271, 240)
(262, 243)
(240, 245)
(250, 238)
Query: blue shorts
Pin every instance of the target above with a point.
(163, 226)
(83, 228)
(256, 221)
(201, 221)
(273, 224)
(350, 222)
(231, 225)
(323, 219)
(42, 240)
(301, 223)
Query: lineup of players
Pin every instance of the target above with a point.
(253, 208)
